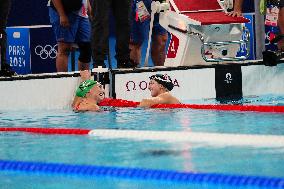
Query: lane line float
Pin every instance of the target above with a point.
(223, 139)
(222, 107)
(93, 171)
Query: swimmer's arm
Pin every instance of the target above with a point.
(85, 106)
(76, 102)
(150, 102)
(85, 75)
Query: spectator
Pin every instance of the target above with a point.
(100, 26)
(5, 70)
(280, 44)
(160, 87)
(139, 32)
(237, 11)
(71, 25)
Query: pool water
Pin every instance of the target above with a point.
(268, 99)
(160, 155)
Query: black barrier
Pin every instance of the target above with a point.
(228, 83)
(248, 6)
(1, 36)
(27, 13)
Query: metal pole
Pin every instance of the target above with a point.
(259, 27)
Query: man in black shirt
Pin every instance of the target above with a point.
(100, 27)
(5, 69)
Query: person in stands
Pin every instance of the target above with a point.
(237, 11)
(100, 31)
(160, 86)
(139, 33)
(280, 44)
(71, 26)
(5, 69)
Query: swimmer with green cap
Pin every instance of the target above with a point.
(160, 86)
(85, 87)
(88, 94)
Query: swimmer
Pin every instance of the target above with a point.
(160, 86)
(88, 94)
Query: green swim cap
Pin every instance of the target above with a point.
(85, 87)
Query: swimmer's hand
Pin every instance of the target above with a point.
(235, 14)
(87, 105)
(85, 75)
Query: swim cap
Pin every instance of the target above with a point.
(164, 80)
(85, 87)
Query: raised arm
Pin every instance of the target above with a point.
(85, 75)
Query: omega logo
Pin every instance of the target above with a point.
(228, 78)
(143, 85)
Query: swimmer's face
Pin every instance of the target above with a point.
(155, 88)
(97, 92)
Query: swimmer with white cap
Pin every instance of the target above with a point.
(160, 86)
(88, 94)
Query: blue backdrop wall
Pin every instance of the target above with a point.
(26, 13)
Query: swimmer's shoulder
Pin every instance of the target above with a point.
(168, 98)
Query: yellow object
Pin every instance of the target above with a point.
(262, 6)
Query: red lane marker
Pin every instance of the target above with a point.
(225, 107)
(52, 131)
(118, 103)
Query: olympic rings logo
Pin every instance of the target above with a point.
(46, 52)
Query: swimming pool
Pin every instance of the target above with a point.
(143, 154)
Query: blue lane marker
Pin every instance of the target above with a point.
(142, 174)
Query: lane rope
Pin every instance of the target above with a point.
(219, 139)
(222, 107)
(93, 171)
(223, 139)
(52, 131)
